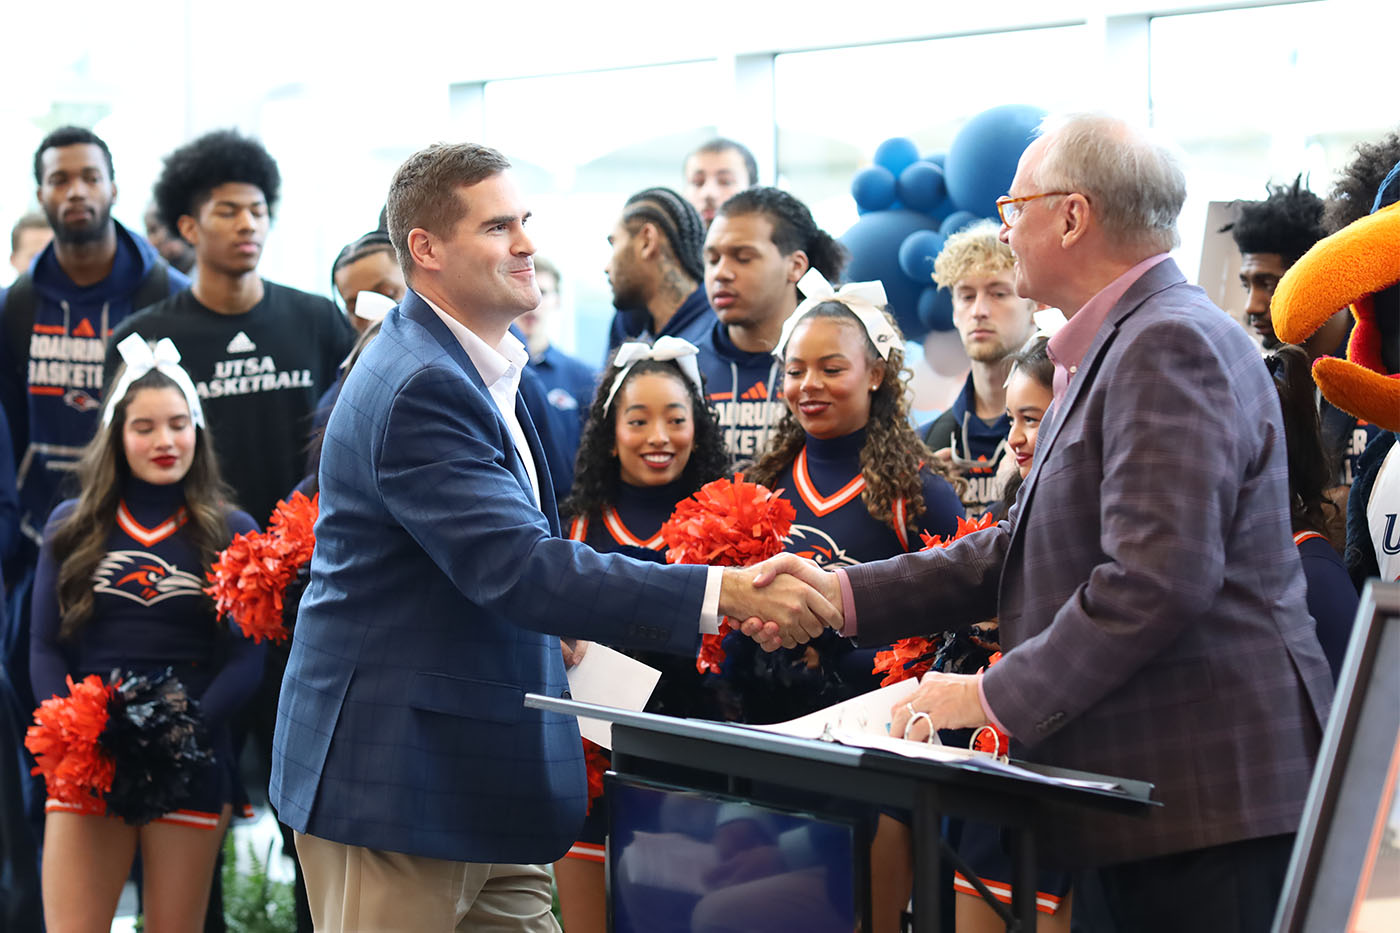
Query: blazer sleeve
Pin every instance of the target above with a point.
(929, 591)
(1176, 447)
(442, 475)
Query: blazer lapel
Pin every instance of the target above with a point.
(415, 309)
(1154, 280)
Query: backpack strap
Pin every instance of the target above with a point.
(19, 322)
(154, 287)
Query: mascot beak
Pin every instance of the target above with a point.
(1359, 266)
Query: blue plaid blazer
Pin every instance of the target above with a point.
(437, 593)
(1150, 595)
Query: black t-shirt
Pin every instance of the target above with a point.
(259, 376)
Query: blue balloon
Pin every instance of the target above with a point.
(939, 159)
(957, 221)
(921, 187)
(916, 255)
(874, 242)
(873, 188)
(896, 154)
(936, 308)
(982, 159)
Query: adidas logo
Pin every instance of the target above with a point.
(757, 391)
(84, 329)
(241, 343)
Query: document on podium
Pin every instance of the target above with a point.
(609, 678)
(864, 722)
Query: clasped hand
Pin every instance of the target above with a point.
(784, 601)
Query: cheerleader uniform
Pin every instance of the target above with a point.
(834, 528)
(632, 525)
(150, 613)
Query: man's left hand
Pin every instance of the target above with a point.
(949, 700)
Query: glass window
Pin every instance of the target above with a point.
(834, 107)
(580, 145)
(1261, 94)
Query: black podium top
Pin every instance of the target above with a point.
(975, 787)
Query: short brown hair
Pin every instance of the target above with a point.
(30, 221)
(424, 191)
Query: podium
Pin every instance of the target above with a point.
(1020, 799)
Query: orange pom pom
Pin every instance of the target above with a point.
(64, 738)
(250, 575)
(595, 762)
(727, 523)
(913, 657)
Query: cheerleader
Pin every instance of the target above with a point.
(863, 485)
(651, 441)
(1029, 393)
(120, 586)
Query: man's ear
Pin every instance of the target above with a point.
(648, 240)
(798, 264)
(424, 249)
(188, 228)
(1076, 219)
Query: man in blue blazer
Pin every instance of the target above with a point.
(1150, 596)
(423, 794)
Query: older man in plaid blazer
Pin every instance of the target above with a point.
(1151, 599)
(424, 795)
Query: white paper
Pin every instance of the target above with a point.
(867, 714)
(609, 678)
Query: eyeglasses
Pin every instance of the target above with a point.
(1009, 208)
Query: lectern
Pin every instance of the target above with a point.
(1020, 798)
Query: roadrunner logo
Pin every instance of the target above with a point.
(143, 578)
(817, 545)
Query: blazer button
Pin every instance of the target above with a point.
(566, 695)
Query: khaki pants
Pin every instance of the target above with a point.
(358, 890)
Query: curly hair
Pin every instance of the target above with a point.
(893, 455)
(596, 473)
(1354, 192)
(80, 541)
(201, 165)
(976, 249)
(793, 228)
(1288, 222)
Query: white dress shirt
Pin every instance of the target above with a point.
(500, 368)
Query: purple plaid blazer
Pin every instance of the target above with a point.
(1152, 602)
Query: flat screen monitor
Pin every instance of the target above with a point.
(689, 861)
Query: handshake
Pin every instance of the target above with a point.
(783, 601)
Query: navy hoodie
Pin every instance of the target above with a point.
(55, 414)
(690, 322)
(745, 390)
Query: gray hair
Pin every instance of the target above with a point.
(1134, 182)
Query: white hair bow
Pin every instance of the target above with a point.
(682, 352)
(863, 299)
(1047, 322)
(140, 359)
